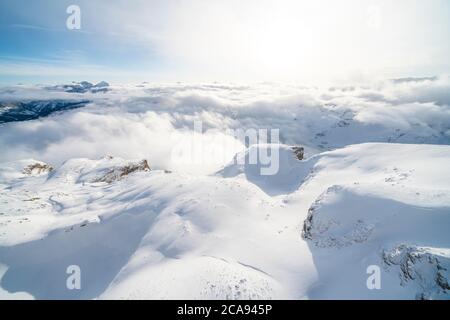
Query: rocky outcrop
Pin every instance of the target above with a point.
(299, 152)
(118, 173)
(426, 268)
(37, 168)
(325, 226)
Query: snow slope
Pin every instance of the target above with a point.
(101, 187)
(311, 231)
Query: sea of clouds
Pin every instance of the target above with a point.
(152, 120)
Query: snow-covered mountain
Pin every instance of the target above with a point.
(20, 108)
(101, 188)
(29, 110)
(82, 87)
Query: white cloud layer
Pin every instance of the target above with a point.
(149, 121)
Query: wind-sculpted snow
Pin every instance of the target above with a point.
(160, 234)
(343, 219)
(289, 174)
(101, 187)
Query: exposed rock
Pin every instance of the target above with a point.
(32, 199)
(326, 230)
(37, 168)
(308, 224)
(425, 267)
(118, 173)
(299, 152)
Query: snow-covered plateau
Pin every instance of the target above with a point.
(99, 186)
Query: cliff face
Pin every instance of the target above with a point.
(348, 225)
(425, 268)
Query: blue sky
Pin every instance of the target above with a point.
(35, 40)
(221, 40)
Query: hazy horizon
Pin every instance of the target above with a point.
(306, 42)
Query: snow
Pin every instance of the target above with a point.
(373, 189)
(293, 172)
